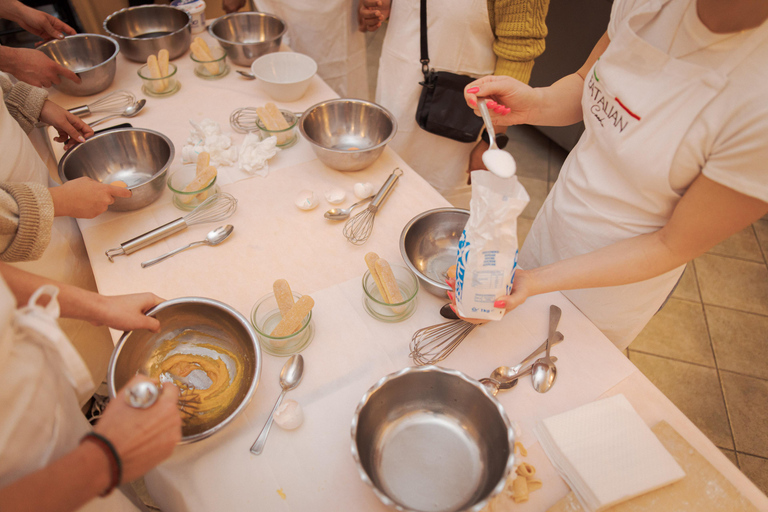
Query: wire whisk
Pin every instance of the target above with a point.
(243, 120)
(217, 207)
(432, 344)
(113, 103)
(358, 228)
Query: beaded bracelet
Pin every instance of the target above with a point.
(115, 464)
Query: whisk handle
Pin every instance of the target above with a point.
(385, 189)
(153, 236)
(80, 111)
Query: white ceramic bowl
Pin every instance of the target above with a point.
(285, 76)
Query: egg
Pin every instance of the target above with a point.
(289, 415)
(363, 190)
(306, 200)
(335, 195)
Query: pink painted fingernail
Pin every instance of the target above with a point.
(491, 103)
(473, 103)
(453, 308)
(499, 109)
(450, 295)
(500, 304)
(473, 90)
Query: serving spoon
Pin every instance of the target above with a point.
(505, 373)
(494, 386)
(498, 161)
(246, 74)
(343, 213)
(544, 371)
(290, 377)
(130, 111)
(214, 237)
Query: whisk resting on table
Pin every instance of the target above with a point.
(432, 344)
(358, 228)
(243, 120)
(217, 207)
(113, 103)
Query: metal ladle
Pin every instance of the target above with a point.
(544, 371)
(130, 111)
(214, 237)
(290, 377)
(343, 213)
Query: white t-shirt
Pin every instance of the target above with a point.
(728, 141)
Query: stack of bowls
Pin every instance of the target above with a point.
(246, 36)
(145, 30)
(92, 56)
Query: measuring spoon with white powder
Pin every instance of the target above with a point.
(498, 161)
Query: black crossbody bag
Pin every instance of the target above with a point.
(442, 109)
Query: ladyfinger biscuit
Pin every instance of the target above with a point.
(162, 61)
(283, 296)
(203, 161)
(202, 53)
(199, 182)
(370, 260)
(388, 281)
(293, 320)
(154, 72)
(204, 47)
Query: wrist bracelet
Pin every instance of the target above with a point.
(115, 464)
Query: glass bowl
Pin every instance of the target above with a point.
(266, 315)
(380, 309)
(178, 181)
(159, 87)
(285, 138)
(212, 69)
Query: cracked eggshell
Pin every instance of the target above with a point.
(289, 415)
(335, 195)
(363, 190)
(306, 200)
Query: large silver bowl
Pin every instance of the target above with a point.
(92, 56)
(348, 134)
(136, 156)
(247, 36)
(145, 30)
(208, 323)
(429, 244)
(427, 438)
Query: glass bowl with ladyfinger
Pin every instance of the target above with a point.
(389, 291)
(283, 321)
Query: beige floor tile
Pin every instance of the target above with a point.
(733, 283)
(537, 190)
(694, 389)
(746, 398)
(761, 230)
(530, 148)
(741, 245)
(756, 469)
(688, 287)
(740, 341)
(678, 331)
(731, 456)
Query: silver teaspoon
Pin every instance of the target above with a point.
(214, 237)
(290, 377)
(544, 370)
(130, 111)
(343, 213)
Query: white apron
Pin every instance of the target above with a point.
(638, 105)
(460, 41)
(65, 259)
(327, 32)
(39, 373)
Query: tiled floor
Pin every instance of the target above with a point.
(707, 349)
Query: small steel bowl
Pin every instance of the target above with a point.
(136, 156)
(348, 134)
(247, 36)
(145, 30)
(92, 56)
(427, 438)
(208, 323)
(429, 244)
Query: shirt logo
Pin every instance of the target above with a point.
(606, 108)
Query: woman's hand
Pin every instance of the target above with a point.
(127, 312)
(71, 128)
(372, 13)
(34, 67)
(510, 101)
(230, 6)
(35, 21)
(521, 290)
(142, 437)
(84, 198)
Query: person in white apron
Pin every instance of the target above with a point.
(672, 161)
(327, 32)
(47, 456)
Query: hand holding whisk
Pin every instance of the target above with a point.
(432, 344)
(358, 228)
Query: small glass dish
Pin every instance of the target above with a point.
(212, 69)
(285, 138)
(265, 317)
(159, 87)
(179, 180)
(379, 309)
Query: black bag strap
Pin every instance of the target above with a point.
(424, 46)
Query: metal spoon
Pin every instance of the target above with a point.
(544, 370)
(290, 377)
(447, 312)
(246, 74)
(130, 111)
(505, 373)
(494, 386)
(214, 237)
(343, 213)
(497, 161)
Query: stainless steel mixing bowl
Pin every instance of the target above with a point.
(214, 324)
(92, 56)
(348, 134)
(429, 244)
(136, 156)
(247, 36)
(427, 438)
(145, 30)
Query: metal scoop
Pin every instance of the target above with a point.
(214, 237)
